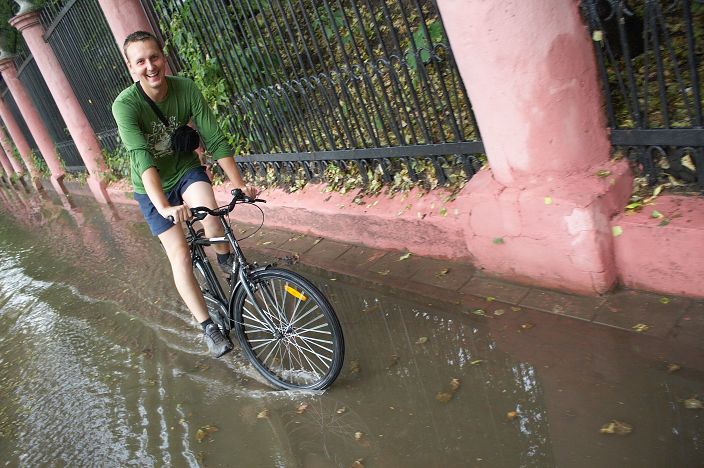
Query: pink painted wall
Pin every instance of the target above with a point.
(663, 253)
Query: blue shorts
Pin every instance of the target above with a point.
(157, 223)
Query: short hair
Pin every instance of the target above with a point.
(139, 36)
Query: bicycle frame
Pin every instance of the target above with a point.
(238, 277)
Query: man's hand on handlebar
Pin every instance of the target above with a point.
(176, 214)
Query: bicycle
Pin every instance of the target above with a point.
(285, 326)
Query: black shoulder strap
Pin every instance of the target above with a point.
(152, 104)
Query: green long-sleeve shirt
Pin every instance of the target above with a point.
(147, 140)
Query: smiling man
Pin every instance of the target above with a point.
(167, 181)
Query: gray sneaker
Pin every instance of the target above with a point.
(218, 345)
(226, 266)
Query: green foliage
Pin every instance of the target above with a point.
(41, 165)
(118, 162)
(8, 34)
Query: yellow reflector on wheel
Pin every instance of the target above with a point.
(294, 293)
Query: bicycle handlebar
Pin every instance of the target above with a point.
(238, 196)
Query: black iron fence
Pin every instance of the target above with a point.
(650, 55)
(33, 81)
(368, 86)
(82, 41)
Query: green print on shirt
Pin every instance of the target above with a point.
(159, 140)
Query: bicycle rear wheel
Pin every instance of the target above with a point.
(292, 335)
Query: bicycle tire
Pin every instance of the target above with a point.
(306, 349)
(205, 276)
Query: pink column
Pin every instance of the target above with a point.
(6, 165)
(8, 147)
(34, 123)
(541, 214)
(20, 141)
(77, 123)
(125, 17)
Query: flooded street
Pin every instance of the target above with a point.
(101, 364)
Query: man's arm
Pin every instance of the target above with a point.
(152, 185)
(232, 172)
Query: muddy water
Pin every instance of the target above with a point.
(100, 364)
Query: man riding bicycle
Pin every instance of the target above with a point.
(168, 179)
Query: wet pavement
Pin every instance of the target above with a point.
(100, 363)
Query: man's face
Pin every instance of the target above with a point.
(145, 61)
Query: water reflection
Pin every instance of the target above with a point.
(100, 363)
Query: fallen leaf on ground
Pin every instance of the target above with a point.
(442, 272)
(479, 312)
(693, 403)
(664, 300)
(616, 427)
(499, 312)
(264, 414)
(672, 367)
(357, 464)
(548, 200)
(616, 231)
(302, 408)
(358, 435)
(384, 272)
(664, 222)
(405, 256)
(490, 299)
(443, 397)
(603, 173)
(511, 415)
(454, 384)
(204, 431)
(641, 327)
(498, 240)
(341, 410)
(656, 214)
(354, 367)
(422, 340)
(527, 326)
(476, 361)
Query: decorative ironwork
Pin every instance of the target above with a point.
(310, 84)
(650, 56)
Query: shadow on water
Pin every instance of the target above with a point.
(101, 364)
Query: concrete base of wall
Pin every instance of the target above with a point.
(646, 256)
(660, 248)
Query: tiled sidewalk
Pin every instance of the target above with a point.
(677, 318)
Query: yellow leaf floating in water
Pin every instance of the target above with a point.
(616, 427)
(354, 367)
(358, 435)
(443, 397)
(204, 431)
(664, 300)
(454, 384)
(672, 367)
(263, 414)
(511, 415)
(422, 340)
(357, 464)
(693, 403)
(442, 273)
(641, 327)
(405, 256)
(341, 410)
(302, 408)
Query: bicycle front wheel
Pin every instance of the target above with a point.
(290, 332)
